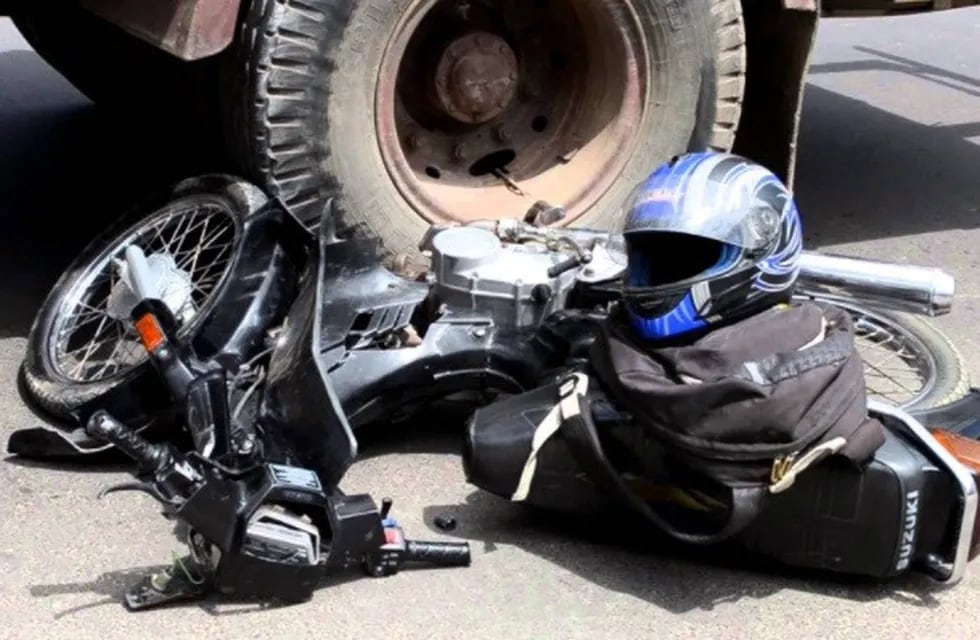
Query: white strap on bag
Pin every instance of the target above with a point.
(786, 470)
(568, 406)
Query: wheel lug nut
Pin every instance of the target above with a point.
(414, 142)
(460, 151)
(501, 133)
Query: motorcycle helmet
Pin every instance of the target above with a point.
(711, 238)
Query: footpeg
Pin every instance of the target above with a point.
(180, 582)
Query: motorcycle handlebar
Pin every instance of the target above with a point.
(104, 427)
(447, 554)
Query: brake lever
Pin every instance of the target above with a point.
(174, 478)
(148, 488)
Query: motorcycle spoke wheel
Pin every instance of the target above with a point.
(908, 362)
(93, 339)
(898, 367)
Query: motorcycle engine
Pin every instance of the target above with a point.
(472, 269)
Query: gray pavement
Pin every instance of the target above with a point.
(889, 167)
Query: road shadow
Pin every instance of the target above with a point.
(619, 555)
(435, 430)
(865, 173)
(110, 589)
(98, 463)
(67, 169)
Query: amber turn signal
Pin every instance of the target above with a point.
(150, 332)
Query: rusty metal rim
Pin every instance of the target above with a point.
(577, 184)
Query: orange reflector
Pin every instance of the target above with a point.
(966, 450)
(150, 332)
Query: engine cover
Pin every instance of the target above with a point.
(472, 269)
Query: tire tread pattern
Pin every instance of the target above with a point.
(730, 69)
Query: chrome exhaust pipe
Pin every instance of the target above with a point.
(887, 285)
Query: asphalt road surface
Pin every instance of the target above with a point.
(889, 167)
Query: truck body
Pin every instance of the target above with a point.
(481, 108)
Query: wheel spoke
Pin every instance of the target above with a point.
(175, 235)
(214, 268)
(197, 252)
(84, 319)
(185, 234)
(206, 244)
(110, 359)
(894, 367)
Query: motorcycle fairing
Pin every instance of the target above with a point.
(300, 411)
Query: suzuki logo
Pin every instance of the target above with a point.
(908, 532)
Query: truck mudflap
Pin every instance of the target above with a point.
(780, 36)
(187, 29)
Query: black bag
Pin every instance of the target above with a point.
(748, 406)
(513, 449)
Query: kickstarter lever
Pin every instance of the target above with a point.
(567, 265)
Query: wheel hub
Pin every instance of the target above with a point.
(481, 113)
(476, 77)
(174, 285)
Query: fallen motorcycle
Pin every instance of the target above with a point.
(501, 303)
(271, 354)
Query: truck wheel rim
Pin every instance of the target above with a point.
(484, 108)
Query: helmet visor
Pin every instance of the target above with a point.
(710, 209)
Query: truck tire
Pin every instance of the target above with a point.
(412, 112)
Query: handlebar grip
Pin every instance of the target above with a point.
(447, 554)
(146, 454)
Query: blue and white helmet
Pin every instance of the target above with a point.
(711, 238)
